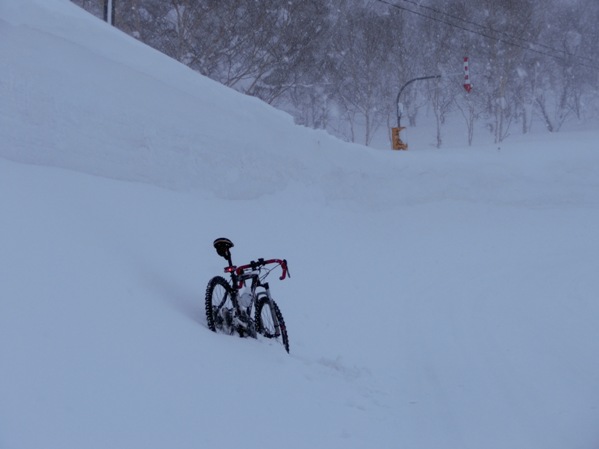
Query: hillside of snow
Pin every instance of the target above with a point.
(438, 298)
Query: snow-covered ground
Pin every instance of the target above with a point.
(438, 298)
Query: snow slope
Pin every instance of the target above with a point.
(438, 299)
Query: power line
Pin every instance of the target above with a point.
(487, 35)
(506, 34)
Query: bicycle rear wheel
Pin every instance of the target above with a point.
(265, 323)
(219, 305)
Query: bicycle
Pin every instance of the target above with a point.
(229, 304)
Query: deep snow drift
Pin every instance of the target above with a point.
(438, 299)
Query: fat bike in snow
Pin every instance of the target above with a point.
(233, 306)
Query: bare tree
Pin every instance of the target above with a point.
(366, 70)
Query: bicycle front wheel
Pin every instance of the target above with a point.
(219, 305)
(265, 323)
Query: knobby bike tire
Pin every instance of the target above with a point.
(264, 321)
(218, 294)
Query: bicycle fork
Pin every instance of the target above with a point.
(273, 312)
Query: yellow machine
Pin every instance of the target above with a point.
(398, 144)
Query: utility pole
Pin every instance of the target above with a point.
(109, 11)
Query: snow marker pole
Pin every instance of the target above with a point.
(467, 84)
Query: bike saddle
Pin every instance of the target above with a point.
(222, 246)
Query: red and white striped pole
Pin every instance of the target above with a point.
(467, 84)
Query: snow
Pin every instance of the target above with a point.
(438, 298)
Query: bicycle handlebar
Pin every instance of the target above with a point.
(254, 265)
